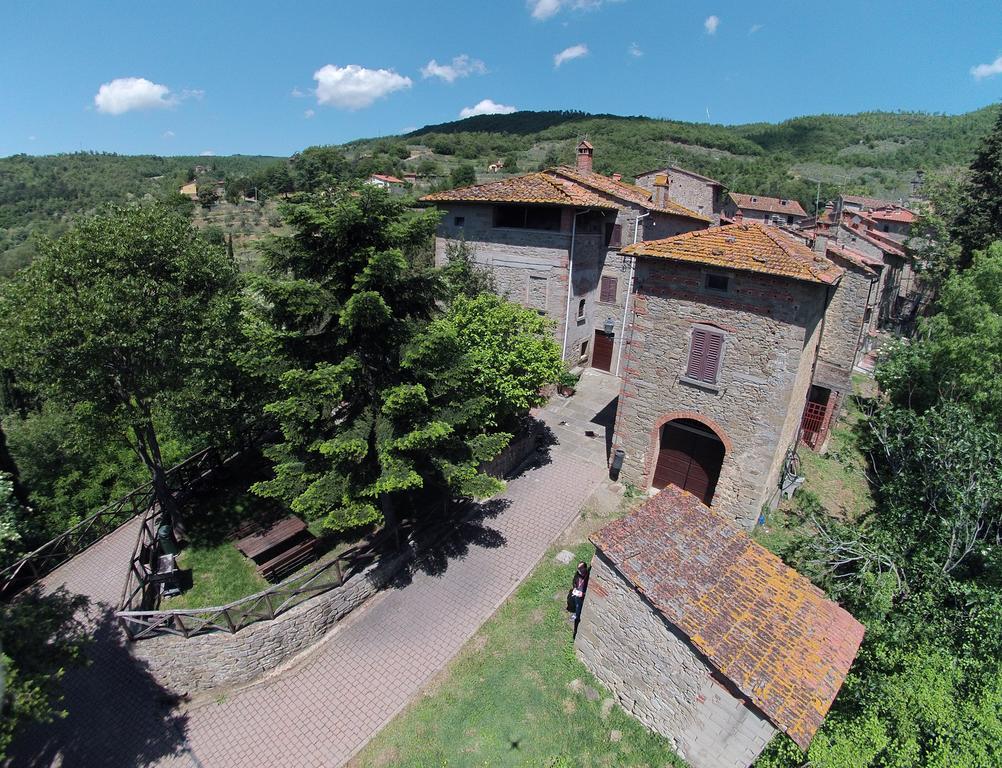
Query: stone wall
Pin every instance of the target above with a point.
(770, 325)
(221, 659)
(689, 191)
(659, 677)
(843, 325)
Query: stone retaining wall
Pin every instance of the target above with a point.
(220, 659)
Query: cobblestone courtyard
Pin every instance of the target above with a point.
(324, 708)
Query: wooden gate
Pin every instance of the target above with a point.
(601, 355)
(690, 458)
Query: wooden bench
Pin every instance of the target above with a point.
(289, 560)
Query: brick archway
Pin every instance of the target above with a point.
(654, 440)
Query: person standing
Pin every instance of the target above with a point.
(578, 589)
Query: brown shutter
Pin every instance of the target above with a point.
(696, 354)
(711, 359)
(617, 236)
(608, 293)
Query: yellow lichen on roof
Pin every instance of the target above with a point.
(531, 188)
(628, 192)
(750, 247)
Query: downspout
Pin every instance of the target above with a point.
(629, 293)
(570, 283)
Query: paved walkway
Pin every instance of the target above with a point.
(326, 708)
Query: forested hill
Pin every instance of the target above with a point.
(874, 153)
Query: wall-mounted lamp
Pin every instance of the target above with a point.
(609, 326)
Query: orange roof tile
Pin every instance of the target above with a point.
(893, 214)
(837, 250)
(769, 204)
(631, 193)
(561, 186)
(750, 247)
(760, 623)
(541, 188)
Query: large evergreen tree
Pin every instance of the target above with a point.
(372, 407)
(981, 219)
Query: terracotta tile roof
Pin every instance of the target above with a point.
(562, 186)
(686, 171)
(629, 192)
(750, 247)
(902, 215)
(876, 238)
(388, 179)
(768, 204)
(866, 202)
(838, 250)
(765, 627)
(541, 188)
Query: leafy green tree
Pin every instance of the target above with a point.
(129, 312)
(462, 175)
(932, 243)
(981, 219)
(957, 353)
(510, 353)
(462, 275)
(206, 192)
(370, 411)
(318, 168)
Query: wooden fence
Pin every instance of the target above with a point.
(33, 566)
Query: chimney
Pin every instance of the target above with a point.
(585, 152)
(820, 244)
(617, 177)
(660, 196)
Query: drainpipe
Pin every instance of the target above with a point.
(629, 292)
(570, 283)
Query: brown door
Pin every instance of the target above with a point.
(689, 458)
(601, 355)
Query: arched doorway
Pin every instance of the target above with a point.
(690, 456)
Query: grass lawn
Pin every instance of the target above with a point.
(517, 696)
(837, 478)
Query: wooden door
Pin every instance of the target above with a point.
(601, 354)
(689, 458)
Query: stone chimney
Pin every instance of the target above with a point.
(660, 195)
(617, 177)
(820, 244)
(585, 152)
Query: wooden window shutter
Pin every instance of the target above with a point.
(617, 236)
(704, 355)
(608, 292)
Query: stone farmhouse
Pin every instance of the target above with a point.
(737, 332)
(697, 193)
(768, 210)
(706, 637)
(552, 241)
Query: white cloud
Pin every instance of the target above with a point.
(298, 94)
(711, 24)
(32, 138)
(487, 107)
(634, 51)
(755, 28)
(168, 134)
(125, 94)
(354, 87)
(461, 66)
(982, 71)
(544, 9)
(309, 113)
(569, 54)
(206, 153)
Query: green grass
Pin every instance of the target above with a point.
(517, 696)
(837, 478)
(220, 575)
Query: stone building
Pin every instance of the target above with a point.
(726, 330)
(706, 637)
(697, 193)
(768, 210)
(540, 232)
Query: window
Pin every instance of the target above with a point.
(608, 291)
(613, 235)
(584, 349)
(528, 217)
(717, 283)
(581, 309)
(704, 355)
(459, 221)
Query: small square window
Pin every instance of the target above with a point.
(717, 283)
(584, 348)
(459, 221)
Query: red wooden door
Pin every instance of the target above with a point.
(690, 460)
(601, 355)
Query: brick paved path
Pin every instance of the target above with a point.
(322, 711)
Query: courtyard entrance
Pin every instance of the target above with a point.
(690, 457)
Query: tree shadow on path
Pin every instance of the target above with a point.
(117, 714)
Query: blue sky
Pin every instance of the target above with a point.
(271, 78)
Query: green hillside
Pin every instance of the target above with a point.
(874, 153)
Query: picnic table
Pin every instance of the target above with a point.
(279, 548)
